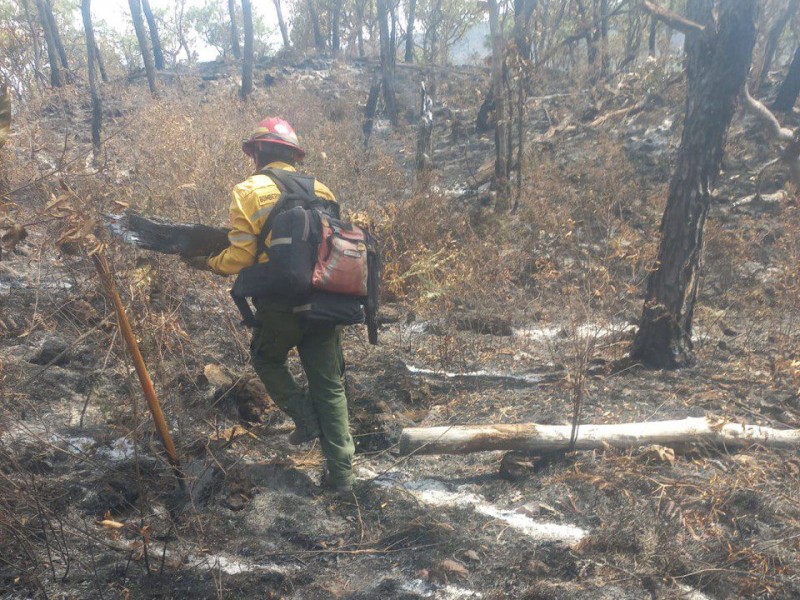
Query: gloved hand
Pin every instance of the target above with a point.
(196, 262)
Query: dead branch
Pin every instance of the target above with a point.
(766, 118)
(673, 20)
(531, 437)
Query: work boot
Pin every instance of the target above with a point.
(301, 436)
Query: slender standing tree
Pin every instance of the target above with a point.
(500, 126)
(412, 15)
(247, 59)
(319, 39)
(335, 19)
(37, 48)
(237, 52)
(158, 55)
(100, 64)
(144, 46)
(51, 23)
(52, 54)
(91, 48)
(388, 58)
(282, 25)
(773, 37)
(719, 51)
(790, 88)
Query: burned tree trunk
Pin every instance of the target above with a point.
(790, 88)
(335, 18)
(144, 46)
(771, 45)
(100, 64)
(718, 56)
(59, 44)
(97, 107)
(247, 58)
(52, 54)
(369, 112)
(424, 135)
(500, 182)
(158, 55)
(388, 58)
(412, 15)
(282, 25)
(237, 51)
(319, 39)
(651, 41)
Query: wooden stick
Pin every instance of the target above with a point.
(125, 329)
(529, 437)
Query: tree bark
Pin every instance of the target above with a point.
(37, 52)
(424, 136)
(319, 39)
(500, 125)
(282, 24)
(651, 42)
(100, 64)
(718, 60)
(91, 49)
(771, 45)
(158, 55)
(369, 113)
(412, 15)
(388, 57)
(235, 48)
(360, 26)
(532, 437)
(790, 88)
(52, 54)
(51, 20)
(336, 14)
(144, 46)
(247, 58)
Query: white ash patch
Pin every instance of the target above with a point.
(445, 592)
(232, 565)
(436, 493)
(479, 374)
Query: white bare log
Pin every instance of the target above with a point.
(531, 437)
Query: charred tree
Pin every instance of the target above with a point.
(651, 40)
(388, 58)
(282, 25)
(500, 182)
(52, 54)
(424, 136)
(412, 15)
(158, 55)
(336, 15)
(51, 21)
(91, 48)
(37, 48)
(144, 46)
(100, 64)
(247, 58)
(319, 39)
(771, 45)
(790, 88)
(235, 48)
(369, 112)
(718, 56)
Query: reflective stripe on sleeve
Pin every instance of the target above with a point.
(241, 236)
(281, 241)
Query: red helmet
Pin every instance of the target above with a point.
(272, 130)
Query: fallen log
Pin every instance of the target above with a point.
(166, 237)
(532, 437)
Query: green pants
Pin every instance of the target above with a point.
(323, 411)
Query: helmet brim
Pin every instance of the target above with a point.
(249, 146)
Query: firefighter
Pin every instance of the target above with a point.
(322, 412)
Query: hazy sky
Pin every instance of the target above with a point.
(117, 14)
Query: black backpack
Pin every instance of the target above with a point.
(296, 226)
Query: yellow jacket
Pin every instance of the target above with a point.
(252, 202)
